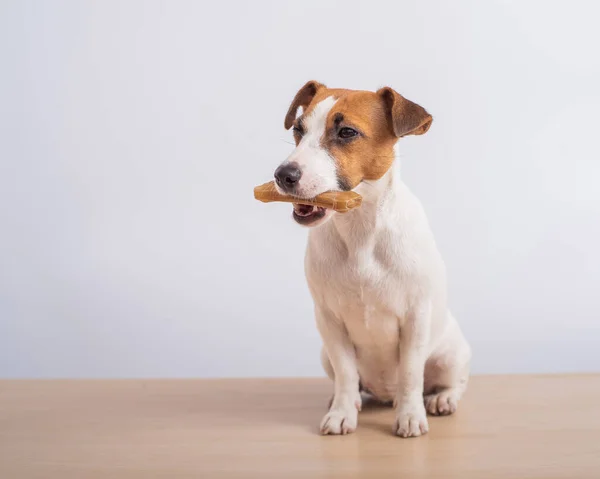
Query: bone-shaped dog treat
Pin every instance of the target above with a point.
(340, 201)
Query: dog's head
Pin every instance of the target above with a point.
(342, 138)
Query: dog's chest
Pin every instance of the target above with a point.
(363, 289)
(359, 283)
(360, 289)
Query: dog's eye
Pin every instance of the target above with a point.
(346, 133)
(298, 130)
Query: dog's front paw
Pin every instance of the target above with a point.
(411, 421)
(339, 421)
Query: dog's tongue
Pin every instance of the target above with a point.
(303, 210)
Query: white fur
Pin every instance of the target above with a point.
(379, 288)
(318, 167)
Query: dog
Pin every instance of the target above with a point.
(375, 274)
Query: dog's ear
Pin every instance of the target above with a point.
(405, 117)
(302, 99)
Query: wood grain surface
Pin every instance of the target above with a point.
(506, 427)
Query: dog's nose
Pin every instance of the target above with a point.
(287, 176)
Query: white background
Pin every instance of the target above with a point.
(132, 134)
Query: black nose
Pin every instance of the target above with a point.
(287, 176)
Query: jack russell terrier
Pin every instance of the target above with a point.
(376, 277)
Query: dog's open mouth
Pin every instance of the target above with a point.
(308, 214)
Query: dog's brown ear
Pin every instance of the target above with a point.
(302, 99)
(405, 117)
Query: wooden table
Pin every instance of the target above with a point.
(506, 427)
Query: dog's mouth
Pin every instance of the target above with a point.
(306, 215)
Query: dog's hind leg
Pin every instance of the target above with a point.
(447, 373)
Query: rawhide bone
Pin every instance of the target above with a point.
(340, 201)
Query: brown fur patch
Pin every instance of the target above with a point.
(302, 99)
(379, 117)
(407, 118)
